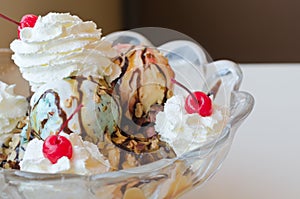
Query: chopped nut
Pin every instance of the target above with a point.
(118, 138)
(6, 166)
(130, 162)
(101, 92)
(11, 165)
(114, 158)
(97, 98)
(7, 151)
(134, 193)
(154, 144)
(12, 156)
(3, 156)
(131, 144)
(15, 141)
(68, 103)
(104, 108)
(138, 110)
(169, 94)
(101, 145)
(21, 124)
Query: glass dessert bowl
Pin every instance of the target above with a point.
(164, 178)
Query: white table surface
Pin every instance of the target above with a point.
(264, 160)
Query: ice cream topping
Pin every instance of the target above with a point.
(28, 20)
(60, 45)
(12, 108)
(184, 131)
(86, 158)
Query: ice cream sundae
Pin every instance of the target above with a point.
(98, 107)
(129, 106)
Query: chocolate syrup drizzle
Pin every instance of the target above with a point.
(136, 74)
(139, 130)
(62, 114)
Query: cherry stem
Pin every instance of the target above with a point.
(71, 116)
(214, 90)
(9, 19)
(185, 88)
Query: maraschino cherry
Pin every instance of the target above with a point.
(56, 146)
(196, 102)
(28, 20)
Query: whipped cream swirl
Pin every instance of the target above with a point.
(86, 158)
(12, 108)
(183, 131)
(61, 45)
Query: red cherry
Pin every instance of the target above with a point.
(197, 102)
(56, 146)
(28, 20)
(203, 105)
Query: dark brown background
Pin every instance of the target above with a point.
(241, 30)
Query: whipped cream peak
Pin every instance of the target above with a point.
(12, 108)
(62, 45)
(53, 25)
(183, 131)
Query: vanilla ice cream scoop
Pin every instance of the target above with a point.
(61, 45)
(146, 80)
(54, 102)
